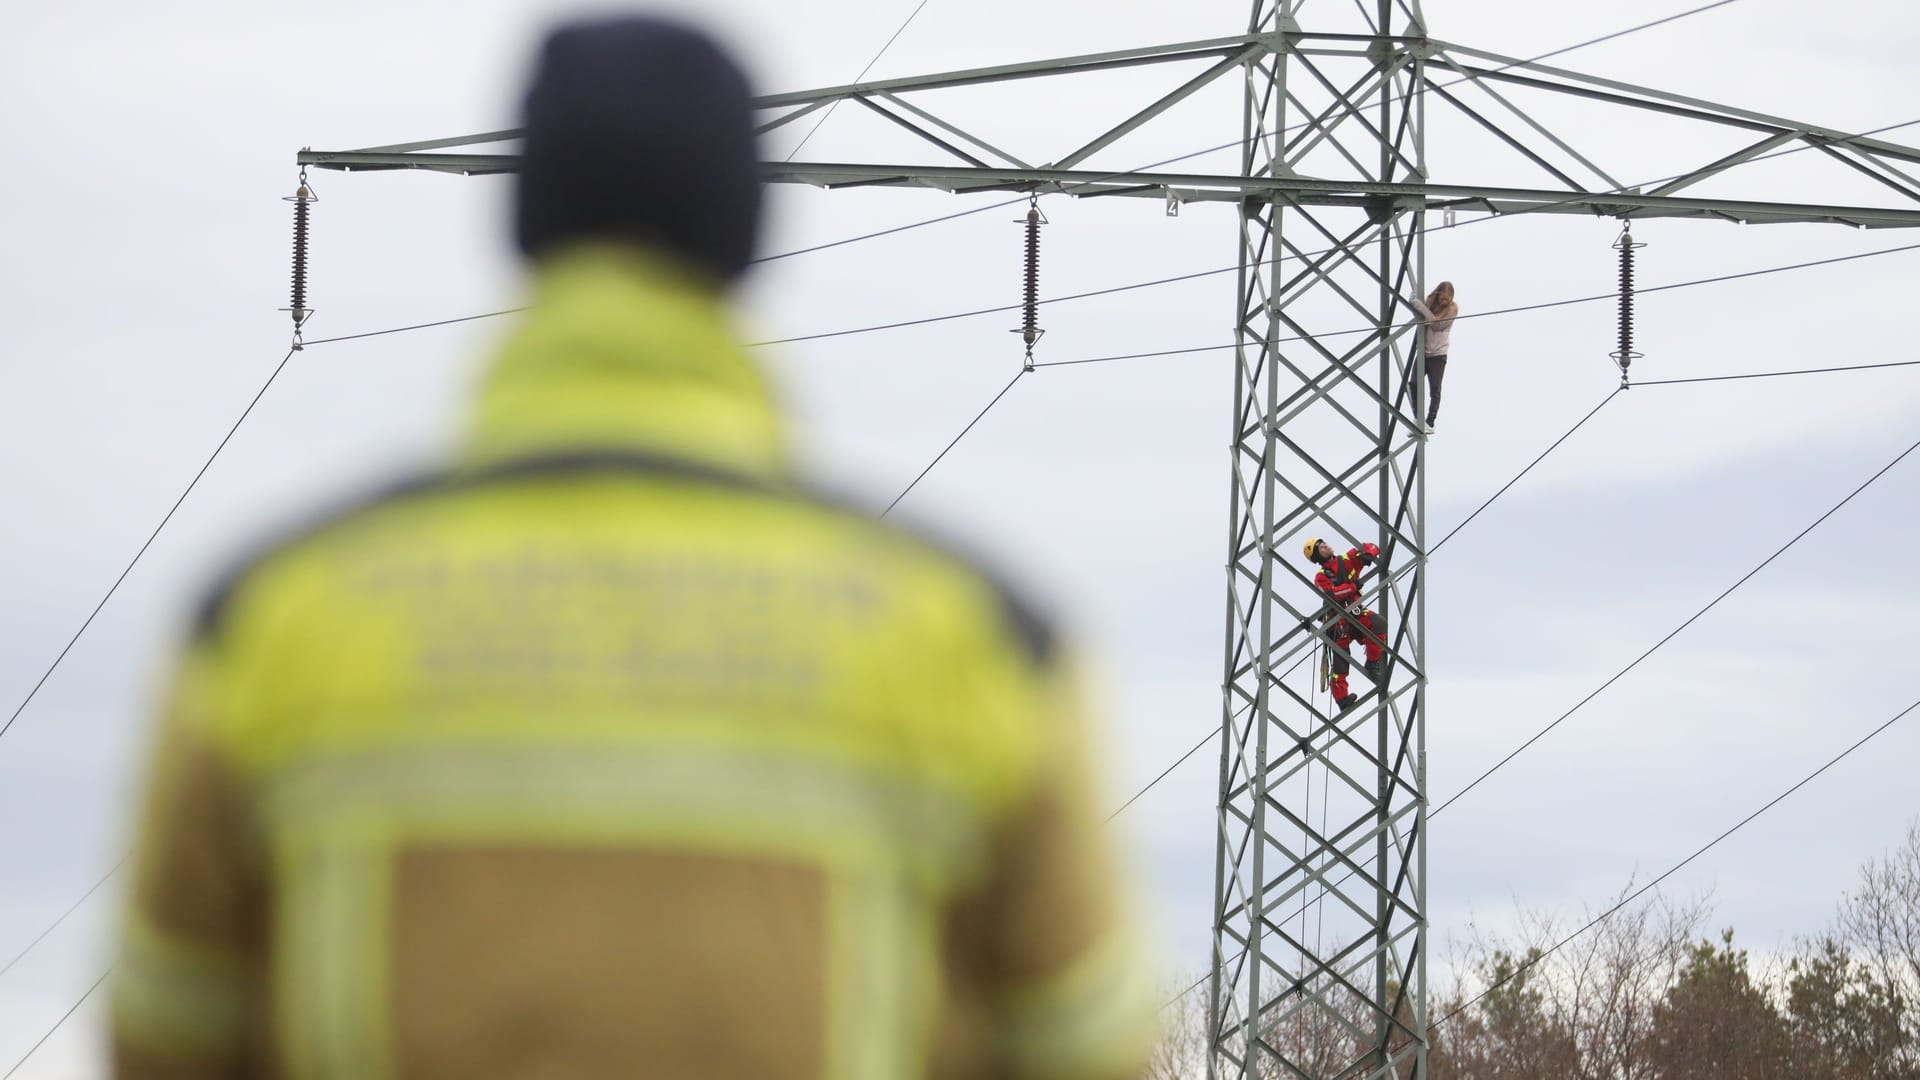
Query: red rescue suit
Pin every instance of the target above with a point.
(1339, 579)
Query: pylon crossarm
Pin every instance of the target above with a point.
(1563, 80)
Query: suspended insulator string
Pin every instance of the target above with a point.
(1030, 299)
(302, 199)
(1624, 355)
(1029, 330)
(300, 212)
(1626, 300)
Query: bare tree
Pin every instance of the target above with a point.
(1880, 920)
(1585, 1010)
(1182, 1051)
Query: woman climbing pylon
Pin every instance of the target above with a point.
(1438, 313)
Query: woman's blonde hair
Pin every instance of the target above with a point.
(1440, 302)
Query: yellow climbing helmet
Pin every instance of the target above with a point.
(1313, 546)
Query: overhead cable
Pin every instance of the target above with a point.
(956, 441)
(1675, 868)
(1537, 736)
(56, 1025)
(1675, 632)
(1237, 143)
(1615, 392)
(75, 906)
(111, 589)
(1156, 282)
(828, 115)
(1778, 374)
(1504, 488)
(1154, 165)
(1204, 740)
(1542, 305)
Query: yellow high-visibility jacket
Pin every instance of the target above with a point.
(612, 752)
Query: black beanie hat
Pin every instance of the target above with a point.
(640, 129)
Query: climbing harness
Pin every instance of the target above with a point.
(302, 199)
(1029, 328)
(1624, 355)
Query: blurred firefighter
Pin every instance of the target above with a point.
(1344, 617)
(613, 751)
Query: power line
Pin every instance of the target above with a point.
(1196, 747)
(248, 411)
(924, 472)
(1516, 477)
(1204, 740)
(876, 234)
(828, 115)
(75, 906)
(56, 1025)
(956, 441)
(1014, 307)
(1116, 813)
(1223, 270)
(1777, 374)
(1622, 672)
(116, 868)
(1676, 867)
(1615, 34)
(1487, 314)
(1504, 488)
(1168, 1004)
(1076, 296)
(418, 326)
(1152, 165)
(284, 360)
(1691, 619)
(1156, 282)
(1286, 130)
(1617, 676)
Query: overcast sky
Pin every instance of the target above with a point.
(146, 252)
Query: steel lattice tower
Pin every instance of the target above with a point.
(1325, 443)
(1319, 915)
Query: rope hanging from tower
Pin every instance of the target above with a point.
(1624, 355)
(1029, 329)
(302, 199)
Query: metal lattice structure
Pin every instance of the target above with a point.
(1326, 442)
(1319, 922)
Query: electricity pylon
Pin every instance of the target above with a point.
(1319, 958)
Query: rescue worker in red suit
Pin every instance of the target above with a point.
(1339, 580)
